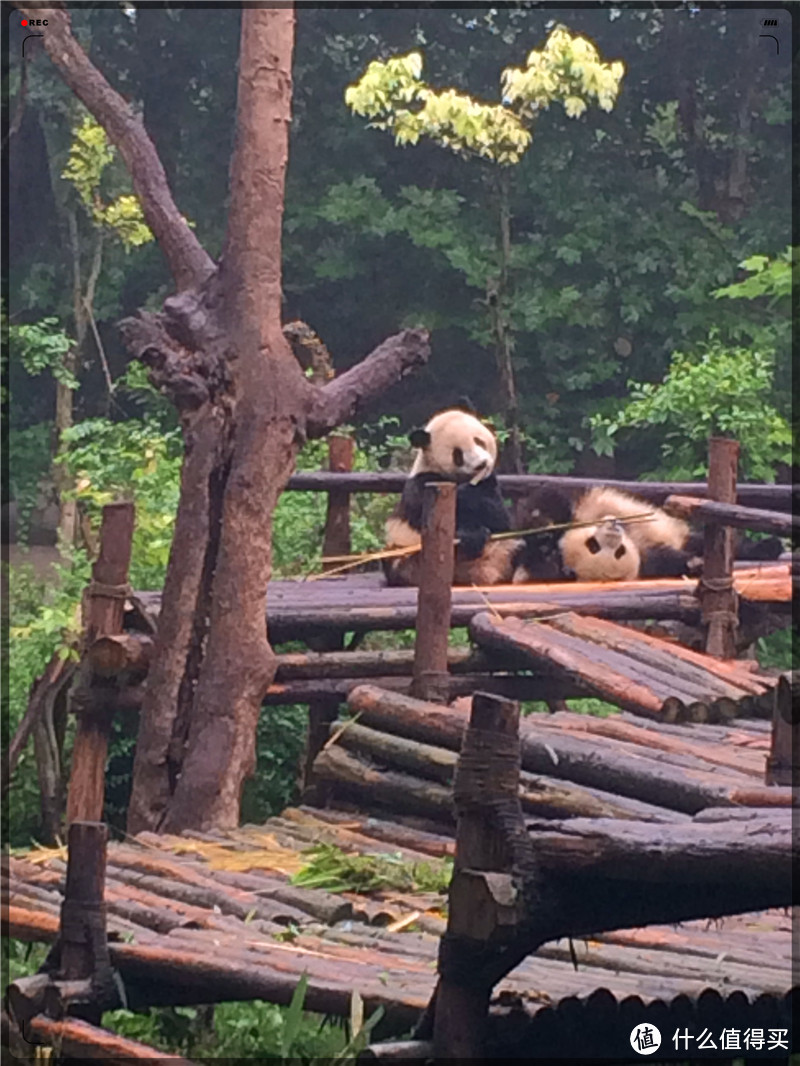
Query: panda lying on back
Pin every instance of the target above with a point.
(455, 446)
(611, 549)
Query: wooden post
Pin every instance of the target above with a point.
(84, 945)
(337, 519)
(718, 595)
(335, 542)
(482, 912)
(782, 760)
(104, 608)
(434, 598)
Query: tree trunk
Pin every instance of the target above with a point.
(218, 350)
(504, 343)
(239, 664)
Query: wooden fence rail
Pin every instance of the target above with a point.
(759, 495)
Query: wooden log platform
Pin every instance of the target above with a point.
(640, 673)
(213, 917)
(363, 602)
(665, 771)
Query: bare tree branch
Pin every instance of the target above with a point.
(188, 261)
(344, 398)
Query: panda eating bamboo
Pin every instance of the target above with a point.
(616, 537)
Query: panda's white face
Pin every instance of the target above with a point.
(456, 445)
(603, 552)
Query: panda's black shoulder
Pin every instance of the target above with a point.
(410, 506)
(482, 505)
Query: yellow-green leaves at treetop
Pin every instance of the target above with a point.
(388, 90)
(567, 69)
(89, 155)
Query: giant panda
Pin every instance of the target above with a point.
(455, 446)
(608, 548)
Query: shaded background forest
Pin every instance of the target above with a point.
(623, 224)
(623, 227)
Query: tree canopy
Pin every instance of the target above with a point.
(622, 226)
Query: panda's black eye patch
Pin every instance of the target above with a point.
(619, 552)
(593, 545)
(479, 442)
(458, 456)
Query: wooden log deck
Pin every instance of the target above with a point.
(363, 602)
(399, 754)
(212, 917)
(638, 672)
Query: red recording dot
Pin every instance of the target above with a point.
(24, 22)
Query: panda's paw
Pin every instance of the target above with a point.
(472, 542)
(694, 566)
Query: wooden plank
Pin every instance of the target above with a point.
(81, 1041)
(436, 567)
(780, 497)
(717, 592)
(746, 762)
(741, 673)
(538, 643)
(362, 602)
(731, 514)
(105, 600)
(687, 853)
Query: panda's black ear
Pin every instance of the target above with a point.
(464, 403)
(420, 438)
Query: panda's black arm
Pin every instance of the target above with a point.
(668, 562)
(482, 505)
(745, 548)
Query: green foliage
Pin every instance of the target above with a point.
(21, 959)
(298, 523)
(280, 739)
(780, 650)
(768, 278)
(567, 69)
(135, 384)
(252, 1030)
(29, 459)
(584, 705)
(335, 870)
(453, 119)
(720, 391)
(42, 346)
(89, 156)
(107, 461)
(43, 621)
(134, 460)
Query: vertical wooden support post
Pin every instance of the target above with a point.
(104, 607)
(435, 594)
(482, 911)
(718, 594)
(782, 761)
(335, 542)
(83, 941)
(337, 519)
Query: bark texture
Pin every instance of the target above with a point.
(218, 350)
